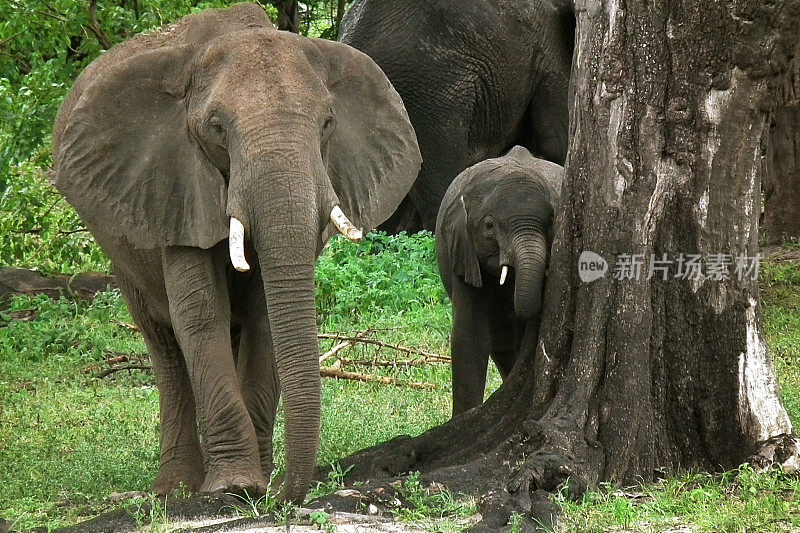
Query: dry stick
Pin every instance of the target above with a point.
(349, 341)
(328, 372)
(333, 351)
(132, 327)
(400, 348)
(107, 372)
(389, 364)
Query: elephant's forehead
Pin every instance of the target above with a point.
(513, 193)
(261, 50)
(506, 182)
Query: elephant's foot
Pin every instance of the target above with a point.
(172, 477)
(236, 482)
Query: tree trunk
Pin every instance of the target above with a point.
(635, 378)
(340, 9)
(782, 178)
(288, 15)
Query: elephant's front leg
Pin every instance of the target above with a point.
(200, 312)
(181, 459)
(470, 346)
(505, 346)
(255, 365)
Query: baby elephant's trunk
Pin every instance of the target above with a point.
(530, 254)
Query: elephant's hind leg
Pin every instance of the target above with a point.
(181, 458)
(255, 366)
(200, 312)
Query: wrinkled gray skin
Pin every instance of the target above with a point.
(498, 212)
(165, 137)
(477, 77)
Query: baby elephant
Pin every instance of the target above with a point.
(493, 233)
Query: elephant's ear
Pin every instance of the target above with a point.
(128, 163)
(373, 157)
(452, 233)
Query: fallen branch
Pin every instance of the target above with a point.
(107, 372)
(420, 361)
(82, 286)
(333, 351)
(131, 327)
(431, 357)
(349, 341)
(329, 372)
(325, 372)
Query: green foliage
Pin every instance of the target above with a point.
(38, 229)
(334, 482)
(780, 295)
(385, 274)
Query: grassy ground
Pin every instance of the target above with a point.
(68, 439)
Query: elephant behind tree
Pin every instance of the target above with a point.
(217, 126)
(477, 77)
(493, 237)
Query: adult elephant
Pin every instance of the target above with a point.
(221, 122)
(477, 77)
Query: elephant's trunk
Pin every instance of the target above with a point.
(530, 260)
(284, 231)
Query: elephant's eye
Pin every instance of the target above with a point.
(327, 127)
(216, 127)
(488, 225)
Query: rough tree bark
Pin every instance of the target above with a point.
(782, 177)
(637, 378)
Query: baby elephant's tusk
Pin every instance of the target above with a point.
(503, 274)
(236, 244)
(344, 225)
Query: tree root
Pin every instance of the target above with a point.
(515, 479)
(781, 450)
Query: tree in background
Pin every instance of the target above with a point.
(643, 371)
(288, 15)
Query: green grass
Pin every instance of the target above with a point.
(741, 500)
(68, 440)
(780, 294)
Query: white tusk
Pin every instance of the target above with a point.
(344, 225)
(236, 244)
(503, 274)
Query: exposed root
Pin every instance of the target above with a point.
(517, 477)
(781, 450)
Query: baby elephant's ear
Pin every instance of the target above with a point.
(452, 233)
(373, 157)
(127, 162)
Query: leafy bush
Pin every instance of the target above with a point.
(393, 274)
(38, 229)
